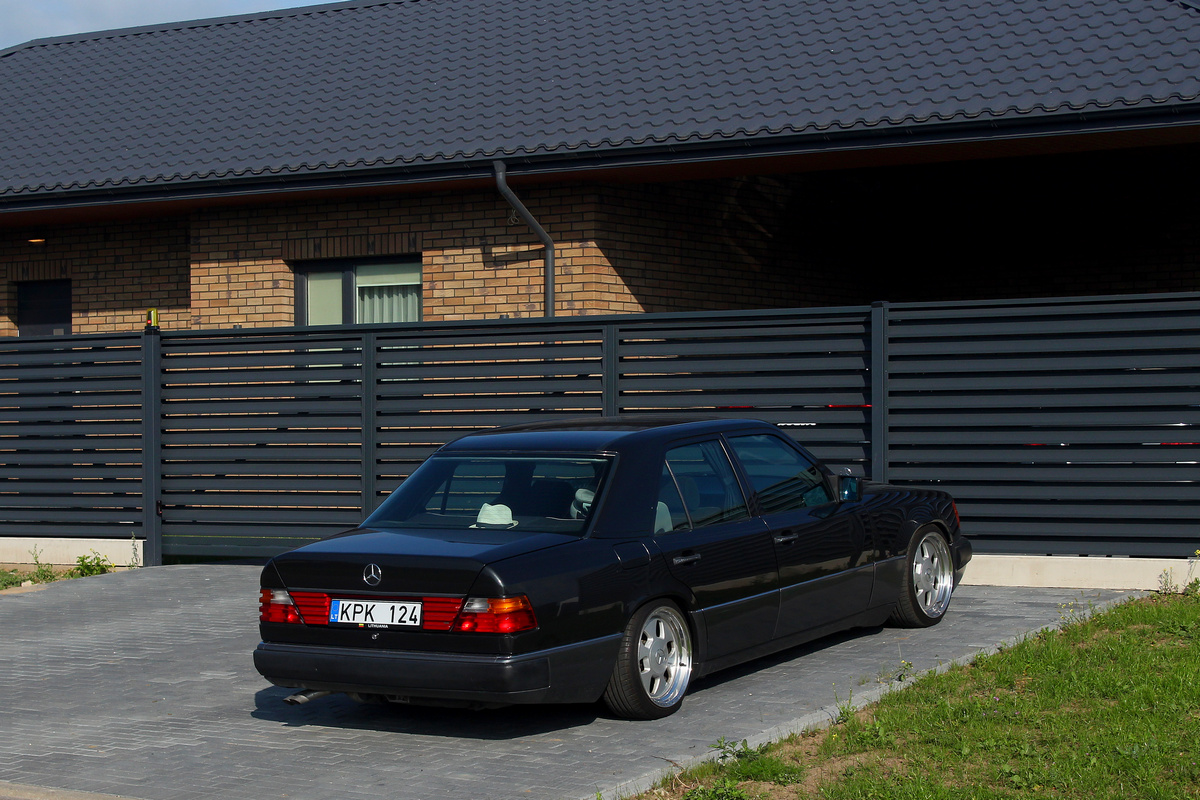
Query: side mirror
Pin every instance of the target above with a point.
(849, 489)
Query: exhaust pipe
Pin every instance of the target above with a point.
(300, 698)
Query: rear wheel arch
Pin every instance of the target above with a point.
(691, 614)
(655, 661)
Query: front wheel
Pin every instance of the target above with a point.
(654, 664)
(928, 580)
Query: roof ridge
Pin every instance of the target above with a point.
(189, 24)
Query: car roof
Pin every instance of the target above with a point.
(594, 434)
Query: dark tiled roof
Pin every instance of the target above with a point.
(424, 84)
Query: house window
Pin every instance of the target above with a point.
(344, 292)
(44, 308)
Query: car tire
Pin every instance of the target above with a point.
(928, 580)
(654, 664)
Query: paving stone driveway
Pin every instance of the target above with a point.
(140, 684)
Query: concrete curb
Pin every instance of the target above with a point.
(1080, 572)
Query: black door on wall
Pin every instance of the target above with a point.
(44, 308)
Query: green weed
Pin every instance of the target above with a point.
(42, 573)
(745, 763)
(845, 708)
(86, 565)
(728, 751)
(10, 578)
(898, 674)
(723, 789)
(134, 561)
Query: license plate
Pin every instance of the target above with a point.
(375, 613)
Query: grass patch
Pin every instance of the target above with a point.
(11, 577)
(1106, 707)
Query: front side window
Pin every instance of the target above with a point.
(545, 494)
(781, 476)
(341, 293)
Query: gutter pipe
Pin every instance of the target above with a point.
(519, 207)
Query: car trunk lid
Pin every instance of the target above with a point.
(406, 562)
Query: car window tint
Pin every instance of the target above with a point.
(549, 494)
(705, 481)
(470, 485)
(782, 477)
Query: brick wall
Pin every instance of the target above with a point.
(619, 249)
(476, 262)
(1085, 225)
(715, 244)
(117, 271)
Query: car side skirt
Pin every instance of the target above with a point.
(870, 618)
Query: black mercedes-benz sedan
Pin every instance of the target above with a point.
(614, 558)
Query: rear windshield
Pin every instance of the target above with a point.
(550, 494)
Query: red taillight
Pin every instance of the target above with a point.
(496, 615)
(957, 518)
(313, 606)
(439, 612)
(275, 605)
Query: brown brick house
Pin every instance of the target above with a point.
(769, 154)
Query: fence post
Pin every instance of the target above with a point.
(369, 359)
(152, 553)
(879, 391)
(610, 361)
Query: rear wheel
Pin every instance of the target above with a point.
(654, 664)
(928, 580)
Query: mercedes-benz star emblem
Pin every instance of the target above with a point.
(372, 575)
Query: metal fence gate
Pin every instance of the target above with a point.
(1066, 426)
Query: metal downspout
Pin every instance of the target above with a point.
(519, 207)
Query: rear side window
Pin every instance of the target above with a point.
(782, 477)
(698, 487)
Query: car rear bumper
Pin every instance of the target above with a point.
(960, 550)
(575, 673)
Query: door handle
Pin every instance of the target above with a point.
(786, 538)
(680, 561)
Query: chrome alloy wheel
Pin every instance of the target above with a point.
(932, 574)
(664, 656)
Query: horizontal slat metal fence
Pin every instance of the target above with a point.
(71, 436)
(261, 440)
(1068, 427)
(1061, 426)
(435, 385)
(805, 370)
(262, 432)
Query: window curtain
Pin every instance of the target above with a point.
(389, 303)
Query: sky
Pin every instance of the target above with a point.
(22, 20)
